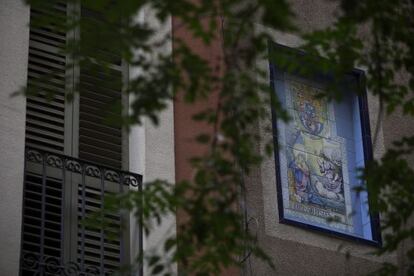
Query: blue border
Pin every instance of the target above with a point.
(367, 145)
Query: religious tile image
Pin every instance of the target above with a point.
(316, 180)
(304, 141)
(311, 113)
(315, 158)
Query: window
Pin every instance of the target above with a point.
(80, 127)
(318, 152)
(74, 155)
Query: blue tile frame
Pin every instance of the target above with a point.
(359, 75)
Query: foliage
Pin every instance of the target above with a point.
(377, 35)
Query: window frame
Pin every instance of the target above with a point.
(71, 117)
(362, 98)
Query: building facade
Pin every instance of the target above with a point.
(144, 154)
(45, 229)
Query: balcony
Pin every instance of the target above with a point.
(59, 192)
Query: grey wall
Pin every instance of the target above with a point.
(395, 127)
(14, 44)
(151, 150)
(296, 251)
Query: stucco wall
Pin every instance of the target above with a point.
(151, 153)
(296, 251)
(14, 45)
(396, 126)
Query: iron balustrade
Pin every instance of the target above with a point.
(60, 191)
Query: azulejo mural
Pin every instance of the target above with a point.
(315, 183)
(320, 151)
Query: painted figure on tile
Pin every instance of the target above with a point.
(301, 177)
(311, 111)
(309, 119)
(330, 185)
(332, 170)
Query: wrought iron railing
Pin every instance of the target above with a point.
(59, 192)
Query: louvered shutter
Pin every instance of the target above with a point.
(100, 142)
(46, 76)
(45, 126)
(97, 248)
(57, 200)
(42, 223)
